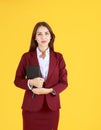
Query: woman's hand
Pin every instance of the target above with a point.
(37, 82)
(39, 91)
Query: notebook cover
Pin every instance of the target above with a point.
(32, 72)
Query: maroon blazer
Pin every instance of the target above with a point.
(57, 79)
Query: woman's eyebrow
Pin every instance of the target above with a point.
(45, 32)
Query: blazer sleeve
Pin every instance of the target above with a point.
(63, 76)
(20, 76)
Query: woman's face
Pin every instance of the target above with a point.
(43, 36)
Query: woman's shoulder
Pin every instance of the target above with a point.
(57, 54)
(28, 54)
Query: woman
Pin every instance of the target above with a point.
(41, 104)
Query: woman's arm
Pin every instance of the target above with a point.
(63, 76)
(42, 90)
(20, 76)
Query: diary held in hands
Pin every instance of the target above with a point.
(32, 72)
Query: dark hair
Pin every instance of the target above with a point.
(34, 43)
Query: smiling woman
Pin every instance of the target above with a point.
(43, 36)
(41, 112)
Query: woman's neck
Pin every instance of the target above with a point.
(42, 49)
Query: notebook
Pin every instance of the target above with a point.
(32, 72)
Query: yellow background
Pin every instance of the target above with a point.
(77, 26)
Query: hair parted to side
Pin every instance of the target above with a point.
(34, 43)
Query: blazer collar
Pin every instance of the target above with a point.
(34, 58)
(52, 63)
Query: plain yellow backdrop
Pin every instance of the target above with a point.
(77, 26)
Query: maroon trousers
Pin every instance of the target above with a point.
(45, 119)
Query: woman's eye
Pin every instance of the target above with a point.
(39, 34)
(47, 33)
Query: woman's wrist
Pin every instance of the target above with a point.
(30, 82)
(50, 90)
(42, 90)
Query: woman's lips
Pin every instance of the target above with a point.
(43, 41)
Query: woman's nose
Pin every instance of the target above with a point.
(43, 36)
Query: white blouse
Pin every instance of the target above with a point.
(43, 62)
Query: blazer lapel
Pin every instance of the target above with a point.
(35, 60)
(52, 65)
